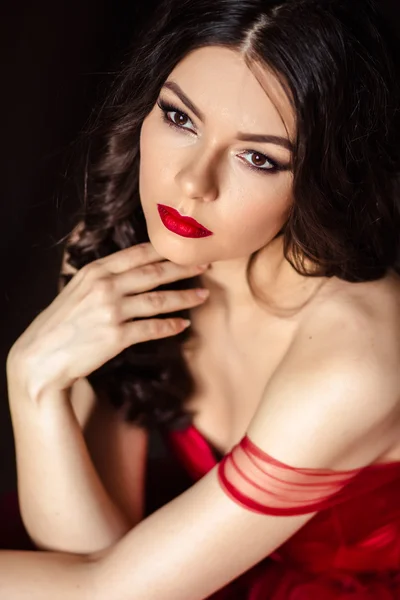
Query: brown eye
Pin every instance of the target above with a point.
(179, 118)
(258, 160)
(174, 117)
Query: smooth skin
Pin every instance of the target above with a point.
(91, 321)
(331, 399)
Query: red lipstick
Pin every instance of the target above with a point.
(184, 226)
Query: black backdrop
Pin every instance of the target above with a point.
(55, 57)
(54, 62)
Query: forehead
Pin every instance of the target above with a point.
(221, 83)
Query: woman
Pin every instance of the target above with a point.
(257, 139)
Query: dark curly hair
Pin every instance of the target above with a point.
(336, 60)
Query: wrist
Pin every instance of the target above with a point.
(24, 389)
(26, 379)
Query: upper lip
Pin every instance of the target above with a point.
(188, 220)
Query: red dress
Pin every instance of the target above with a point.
(349, 550)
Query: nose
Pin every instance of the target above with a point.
(198, 178)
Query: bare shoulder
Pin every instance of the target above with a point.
(376, 302)
(337, 388)
(357, 322)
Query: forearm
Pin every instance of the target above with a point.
(63, 503)
(46, 576)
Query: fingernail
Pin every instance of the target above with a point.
(203, 266)
(186, 323)
(202, 293)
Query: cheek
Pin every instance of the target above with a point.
(148, 155)
(258, 215)
(156, 157)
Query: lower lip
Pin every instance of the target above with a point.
(180, 227)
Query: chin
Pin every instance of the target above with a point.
(177, 249)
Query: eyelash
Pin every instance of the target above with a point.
(167, 108)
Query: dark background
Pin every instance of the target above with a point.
(56, 60)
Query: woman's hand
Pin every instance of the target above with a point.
(93, 318)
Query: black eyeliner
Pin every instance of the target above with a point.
(166, 107)
(276, 167)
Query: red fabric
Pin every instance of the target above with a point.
(262, 484)
(349, 550)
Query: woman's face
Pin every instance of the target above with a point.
(216, 148)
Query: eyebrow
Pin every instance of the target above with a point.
(244, 137)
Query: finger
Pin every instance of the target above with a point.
(150, 276)
(155, 303)
(130, 258)
(151, 329)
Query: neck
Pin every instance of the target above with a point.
(276, 285)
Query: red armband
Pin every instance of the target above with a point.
(262, 484)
